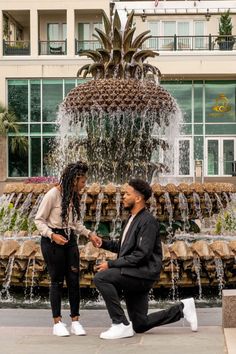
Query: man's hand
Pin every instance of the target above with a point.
(102, 266)
(59, 239)
(96, 240)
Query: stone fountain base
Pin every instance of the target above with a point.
(186, 265)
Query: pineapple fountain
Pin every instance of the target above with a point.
(116, 121)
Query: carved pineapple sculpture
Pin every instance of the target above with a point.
(121, 105)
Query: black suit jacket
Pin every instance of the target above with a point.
(140, 255)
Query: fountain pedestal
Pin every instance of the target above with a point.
(229, 308)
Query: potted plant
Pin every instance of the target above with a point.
(225, 39)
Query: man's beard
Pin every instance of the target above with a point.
(130, 206)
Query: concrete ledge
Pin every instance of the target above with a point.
(229, 308)
(230, 340)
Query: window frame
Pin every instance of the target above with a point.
(220, 154)
(177, 156)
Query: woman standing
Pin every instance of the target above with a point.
(57, 221)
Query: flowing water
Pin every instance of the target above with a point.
(117, 145)
(197, 269)
(98, 210)
(116, 221)
(169, 209)
(184, 210)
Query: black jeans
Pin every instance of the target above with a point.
(111, 283)
(62, 263)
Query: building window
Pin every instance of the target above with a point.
(208, 129)
(220, 153)
(199, 41)
(56, 34)
(189, 35)
(220, 102)
(56, 31)
(179, 158)
(85, 35)
(17, 161)
(185, 157)
(153, 27)
(35, 103)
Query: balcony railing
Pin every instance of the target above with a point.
(178, 43)
(52, 48)
(85, 45)
(16, 47)
(158, 43)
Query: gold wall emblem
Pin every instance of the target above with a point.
(222, 104)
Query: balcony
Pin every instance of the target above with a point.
(16, 32)
(16, 47)
(196, 43)
(52, 47)
(86, 45)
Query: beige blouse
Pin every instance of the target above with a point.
(49, 215)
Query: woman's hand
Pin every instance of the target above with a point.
(59, 239)
(95, 239)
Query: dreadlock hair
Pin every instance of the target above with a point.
(67, 181)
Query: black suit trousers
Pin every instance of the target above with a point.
(111, 284)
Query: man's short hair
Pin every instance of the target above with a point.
(141, 187)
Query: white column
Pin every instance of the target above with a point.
(1, 32)
(71, 32)
(34, 35)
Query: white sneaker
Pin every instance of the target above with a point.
(117, 331)
(59, 329)
(190, 314)
(77, 329)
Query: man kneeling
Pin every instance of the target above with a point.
(134, 271)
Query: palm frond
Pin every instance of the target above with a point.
(93, 54)
(129, 55)
(19, 144)
(143, 54)
(107, 23)
(128, 39)
(138, 39)
(144, 39)
(116, 21)
(106, 55)
(116, 57)
(105, 39)
(129, 22)
(117, 39)
(120, 55)
(83, 68)
(96, 70)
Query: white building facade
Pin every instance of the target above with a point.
(39, 59)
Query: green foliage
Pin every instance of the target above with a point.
(218, 227)
(193, 227)
(225, 24)
(24, 224)
(225, 222)
(8, 123)
(103, 229)
(1, 213)
(6, 27)
(178, 225)
(33, 227)
(13, 221)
